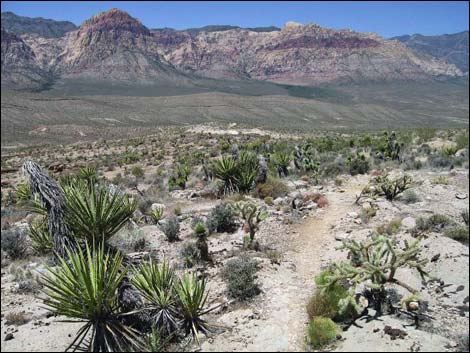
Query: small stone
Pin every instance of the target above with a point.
(156, 206)
(413, 306)
(366, 206)
(408, 222)
(435, 257)
(8, 337)
(461, 195)
(353, 214)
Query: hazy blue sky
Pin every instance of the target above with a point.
(385, 18)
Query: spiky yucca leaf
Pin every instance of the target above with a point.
(226, 170)
(40, 237)
(84, 287)
(155, 283)
(192, 298)
(94, 213)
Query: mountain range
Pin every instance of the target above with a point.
(114, 47)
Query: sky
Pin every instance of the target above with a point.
(388, 18)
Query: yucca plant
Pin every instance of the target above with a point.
(95, 213)
(226, 169)
(246, 180)
(281, 160)
(192, 297)
(88, 174)
(157, 214)
(29, 200)
(24, 192)
(84, 287)
(155, 282)
(40, 237)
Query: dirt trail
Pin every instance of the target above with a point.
(282, 324)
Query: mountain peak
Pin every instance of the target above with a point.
(115, 19)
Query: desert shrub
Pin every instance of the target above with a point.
(221, 219)
(129, 157)
(274, 256)
(462, 141)
(358, 165)
(271, 188)
(410, 196)
(137, 171)
(440, 161)
(425, 134)
(171, 229)
(441, 179)
(459, 233)
(391, 228)
(157, 214)
(15, 242)
(326, 300)
(190, 254)
(435, 223)
(16, 318)
(179, 177)
(27, 280)
(177, 211)
(367, 214)
(268, 200)
(144, 205)
(321, 332)
(240, 276)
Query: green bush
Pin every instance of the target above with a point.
(240, 276)
(410, 196)
(137, 171)
(272, 188)
(191, 254)
(171, 229)
(459, 233)
(321, 332)
(359, 165)
(221, 219)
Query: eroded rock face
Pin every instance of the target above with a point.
(19, 63)
(115, 46)
(298, 54)
(111, 45)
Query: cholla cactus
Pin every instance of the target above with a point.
(252, 214)
(391, 188)
(392, 148)
(374, 263)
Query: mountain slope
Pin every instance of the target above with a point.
(43, 27)
(113, 46)
(452, 48)
(298, 54)
(19, 66)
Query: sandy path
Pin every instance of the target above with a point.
(286, 292)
